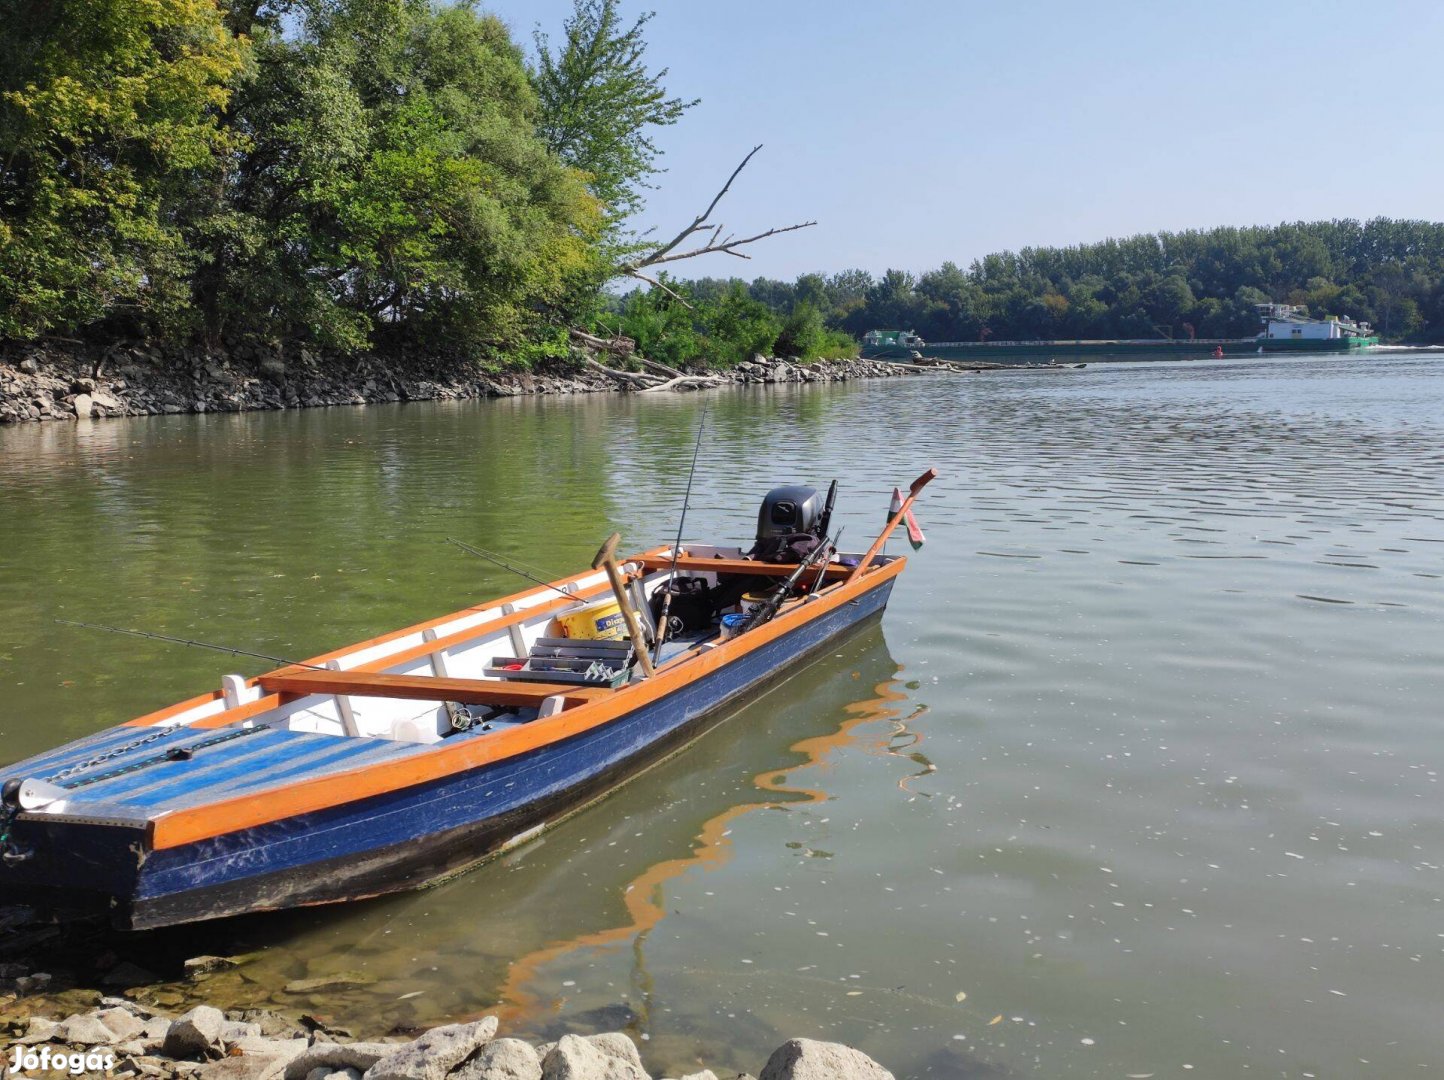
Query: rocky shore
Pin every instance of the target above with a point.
(75, 382)
(121, 1037)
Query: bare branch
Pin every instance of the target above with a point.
(702, 224)
(685, 382)
(658, 285)
(656, 366)
(629, 378)
(726, 246)
(621, 346)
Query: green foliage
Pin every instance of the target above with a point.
(1389, 273)
(428, 205)
(107, 109)
(719, 327)
(598, 103)
(373, 173)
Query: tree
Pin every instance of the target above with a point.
(393, 186)
(107, 108)
(598, 103)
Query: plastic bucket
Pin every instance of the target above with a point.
(753, 601)
(601, 620)
(732, 624)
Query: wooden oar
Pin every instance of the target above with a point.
(607, 557)
(917, 486)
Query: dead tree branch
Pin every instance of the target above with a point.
(685, 382)
(619, 345)
(655, 366)
(628, 378)
(702, 223)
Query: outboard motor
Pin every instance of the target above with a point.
(789, 525)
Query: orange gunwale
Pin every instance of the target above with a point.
(178, 827)
(457, 637)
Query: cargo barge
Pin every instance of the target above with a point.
(1286, 328)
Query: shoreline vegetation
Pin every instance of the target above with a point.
(404, 179)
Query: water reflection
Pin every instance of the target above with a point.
(1159, 792)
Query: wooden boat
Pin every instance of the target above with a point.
(394, 762)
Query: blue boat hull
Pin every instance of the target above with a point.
(410, 837)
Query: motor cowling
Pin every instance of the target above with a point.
(788, 524)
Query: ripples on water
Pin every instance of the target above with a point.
(1141, 772)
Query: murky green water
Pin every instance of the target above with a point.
(1140, 774)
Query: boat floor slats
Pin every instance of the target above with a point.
(422, 687)
(261, 762)
(279, 758)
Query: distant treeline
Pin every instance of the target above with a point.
(1199, 282)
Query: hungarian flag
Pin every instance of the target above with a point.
(915, 534)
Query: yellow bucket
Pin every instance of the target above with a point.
(754, 600)
(601, 620)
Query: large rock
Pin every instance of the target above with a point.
(245, 1067)
(41, 1029)
(334, 1057)
(124, 1023)
(804, 1059)
(434, 1054)
(84, 406)
(504, 1059)
(84, 1030)
(611, 1056)
(195, 1033)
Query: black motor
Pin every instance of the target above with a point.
(790, 524)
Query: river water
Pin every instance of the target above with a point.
(1138, 777)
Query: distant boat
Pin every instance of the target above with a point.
(387, 764)
(891, 345)
(1286, 328)
(1289, 328)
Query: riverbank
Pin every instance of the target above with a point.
(122, 1037)
(71, 381)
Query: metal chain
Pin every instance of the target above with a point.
(113, 752)
(175, 753)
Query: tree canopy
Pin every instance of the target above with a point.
(393, 173)
(1201, 283)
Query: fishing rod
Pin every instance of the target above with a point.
(769, 607)
(677, 544)
(482, 553)
(822, 574)
(825, 521)
(188, 641)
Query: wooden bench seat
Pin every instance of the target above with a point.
(426, 688)
(695, 563)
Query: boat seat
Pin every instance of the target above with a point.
(425, 688)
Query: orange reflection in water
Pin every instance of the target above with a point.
(643, 896)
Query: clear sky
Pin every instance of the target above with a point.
(919, 131)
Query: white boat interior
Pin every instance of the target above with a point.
(483, 645)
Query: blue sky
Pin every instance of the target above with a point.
(919, 131)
